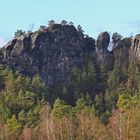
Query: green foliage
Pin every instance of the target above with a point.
(64, 22)
(14, 127)
(125, 122)
(79, 29)
(4, 113)
(85, 81)
(99, 105)
(71, 23)
(51, 22)
(42, 27)
(61, 110)
(80, 104)
(132, 70)
(32, 118)
(22, 117)
(93, 93)
(19, 33)
(40, 89)
(127, 101)
(114, 79)
(23, 98)
(111, 99)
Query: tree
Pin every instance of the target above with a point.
(10, 80)
(51, 22)
(2, 79)
(116, 38)
(114, 79)
(61, 110)
(86, 129)
(14, 127)
(39, 88)
(127, 101)
(19, 33)
(124, 122)
(71, 23)
(80, 105)
(42, 27)
(111, 99)
(117, 125)
(99, 105)
(22, 117)
(32, 118)
(4, 112)
(133, 78)
(85, 81)
(64, 22)
(79, 29)
(22, 83)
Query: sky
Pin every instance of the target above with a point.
(95, 16)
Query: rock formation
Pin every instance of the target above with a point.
(103, 41)
(135, 48)
(121, 53)
(52, 52)
(103, 56)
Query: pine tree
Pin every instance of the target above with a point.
(114, 79)
(61, 110)
(22, 117)
(14, 127)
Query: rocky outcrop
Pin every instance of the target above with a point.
(8, 48)
(103, 41)
(103, 56)
(127, 50)
(135, 48)
(121, 53)
(52, 52)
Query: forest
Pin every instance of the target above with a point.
(31, 110)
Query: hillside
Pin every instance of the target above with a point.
(58, 84)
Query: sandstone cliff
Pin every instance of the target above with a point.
(52, 52)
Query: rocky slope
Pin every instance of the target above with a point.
(52, 52)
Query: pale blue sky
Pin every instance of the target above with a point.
(94, 16)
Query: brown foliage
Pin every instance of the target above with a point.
(26, 134)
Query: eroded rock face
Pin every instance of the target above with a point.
(135, 48)
(103, 56)
(51, 52)
(8, 48)
(127, 50)
(121, 53)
